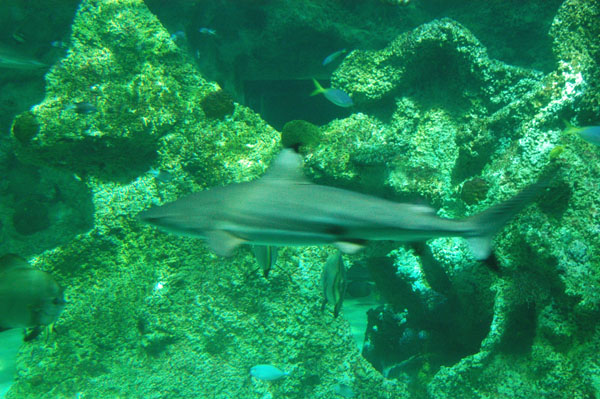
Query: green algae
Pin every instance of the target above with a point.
(299, 133)
(25, 127)
(217, 105)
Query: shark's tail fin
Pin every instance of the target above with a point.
(487, 223)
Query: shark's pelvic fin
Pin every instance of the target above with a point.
(348, 247)
(223, 243)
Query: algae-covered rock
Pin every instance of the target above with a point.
(503, 132)
(140, 299)
(25, 127)
(217, 105)
(438, 61)
(574, 32)
(124, 64)
(299, 133)
(521, 324)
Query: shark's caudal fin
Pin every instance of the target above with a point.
(489, 222)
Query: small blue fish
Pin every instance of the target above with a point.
(82, 108)
(58, 44)
(266, 372)
(208, 31)
(179, 35)
(336, 96)
(591, 134)
(162, 176)
(333, 56)
(343, 390)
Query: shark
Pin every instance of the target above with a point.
(284, 208)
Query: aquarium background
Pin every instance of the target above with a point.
(108, 107)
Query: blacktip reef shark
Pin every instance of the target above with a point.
(283, 208)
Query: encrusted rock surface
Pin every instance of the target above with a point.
(155, 315)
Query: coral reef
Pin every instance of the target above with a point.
(152, 314)
(140, 299)
(500, 123)
(474, 191)
(134, 75)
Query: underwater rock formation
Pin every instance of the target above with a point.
(441, 60)
(151, 314)
(501, 123)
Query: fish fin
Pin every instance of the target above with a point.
(266, 256)
(480, 247)
(12, 261)
(318, 88)
(286, 166)
(570, 128)
(337, 308)
(487, 223)
(223, 243)
(349, 247)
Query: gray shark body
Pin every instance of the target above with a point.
(283, 208)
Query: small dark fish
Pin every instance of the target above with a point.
(162, 176)
(28, 297)
(333, 56)
(333, 282)
(266, 256)
(266, 372)
(336, 96)
(82, 108)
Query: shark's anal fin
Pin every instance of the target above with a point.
(223, 243)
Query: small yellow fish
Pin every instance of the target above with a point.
(555, 152)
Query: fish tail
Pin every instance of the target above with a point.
(486, 224)
(318, 88)
(569, 128)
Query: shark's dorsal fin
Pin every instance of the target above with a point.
(287, 165)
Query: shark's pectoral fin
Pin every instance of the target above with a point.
(349, 247)
(223, 243)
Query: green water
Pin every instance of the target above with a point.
(113, 107)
